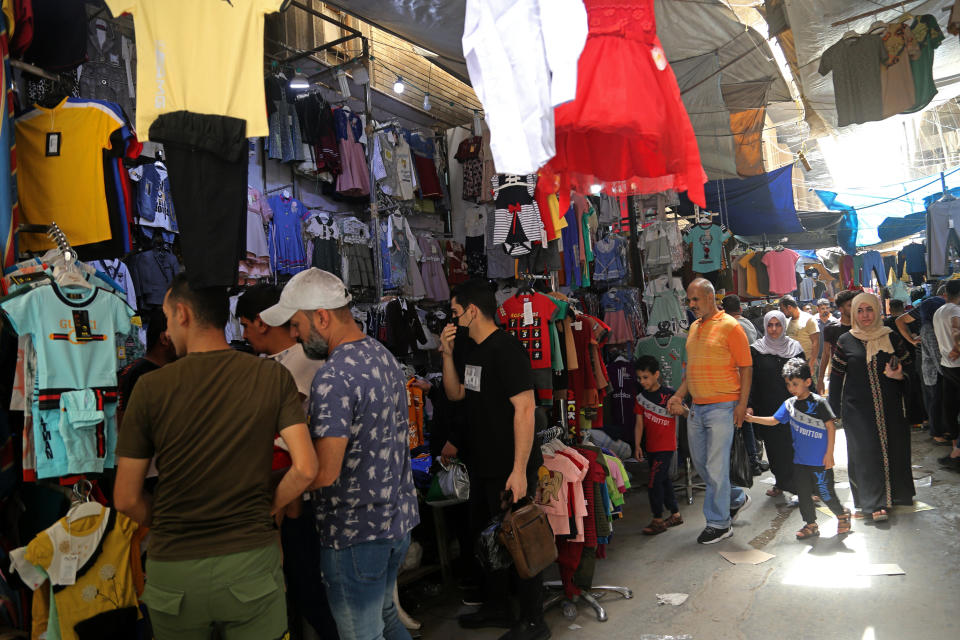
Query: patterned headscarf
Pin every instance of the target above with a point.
(876, 336)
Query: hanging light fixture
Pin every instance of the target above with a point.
(426, 102)
(299, 81)
(398, 86)
(342, 79)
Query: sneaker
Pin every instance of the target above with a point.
(486, 617)
(528, 631)
(711, 535)
(734, 512)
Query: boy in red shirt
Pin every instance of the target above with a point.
(661, 443)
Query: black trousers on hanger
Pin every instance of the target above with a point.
(207, 159)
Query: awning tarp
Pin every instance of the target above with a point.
(754, 206)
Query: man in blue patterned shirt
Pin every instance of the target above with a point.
(364, 500)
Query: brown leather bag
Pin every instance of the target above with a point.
(526, 533)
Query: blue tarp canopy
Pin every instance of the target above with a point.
(753, 206)
(875, 205)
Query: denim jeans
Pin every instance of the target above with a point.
(360, 580)
(710, 435)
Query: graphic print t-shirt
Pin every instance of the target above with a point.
(807, 419)
(659, 426)
(527, 317)
(360, 394)
(74, 334)
(707, 244)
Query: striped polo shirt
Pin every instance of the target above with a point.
(715, 349)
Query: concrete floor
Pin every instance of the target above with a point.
(806, 591)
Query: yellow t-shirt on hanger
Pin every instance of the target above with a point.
(202, 56)
(60, 173)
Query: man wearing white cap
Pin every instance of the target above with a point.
(365, 500)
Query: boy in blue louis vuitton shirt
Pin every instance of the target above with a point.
(812, 426)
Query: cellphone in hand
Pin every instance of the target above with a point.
(894, 362)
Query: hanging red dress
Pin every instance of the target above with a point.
(627, 129)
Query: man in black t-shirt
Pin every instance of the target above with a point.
(832, 333)
(494, 379)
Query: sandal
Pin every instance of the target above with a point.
(880, 515)
(673, 520)
(810, 530)
(655, 527)
(775, 492)
(843, 522)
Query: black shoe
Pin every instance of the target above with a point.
(528, 631)
(738, 510)
(473, 596)
(711, 535)
(950, 463)
(486, 617)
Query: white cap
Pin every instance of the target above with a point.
(308, 290)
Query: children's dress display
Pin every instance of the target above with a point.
(287, 254)
(326, 242)
(257, 262)
(432, 269)
(355, 178)
(627, 129)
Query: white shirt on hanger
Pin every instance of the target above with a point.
(522, 59)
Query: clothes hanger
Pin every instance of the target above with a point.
(850, 34)
(83, 505)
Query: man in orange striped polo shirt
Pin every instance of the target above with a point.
(718, 377)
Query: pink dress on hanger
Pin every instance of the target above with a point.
(355, 177)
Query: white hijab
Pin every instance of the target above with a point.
(784, 346)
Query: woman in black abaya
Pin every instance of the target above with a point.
(878, 437)
(768, 392)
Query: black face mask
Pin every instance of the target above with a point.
(463, 332)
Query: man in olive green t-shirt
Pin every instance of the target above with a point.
(210, 419)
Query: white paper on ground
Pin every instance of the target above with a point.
(881, 570)
(676, 599)
(574, 627)
(925, 481)
(753, 556)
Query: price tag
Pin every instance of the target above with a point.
(68, 569)
(527, 313)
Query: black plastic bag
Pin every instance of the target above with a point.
(492, 555)
(741, 474)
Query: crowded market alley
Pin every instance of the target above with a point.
(493, 319)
